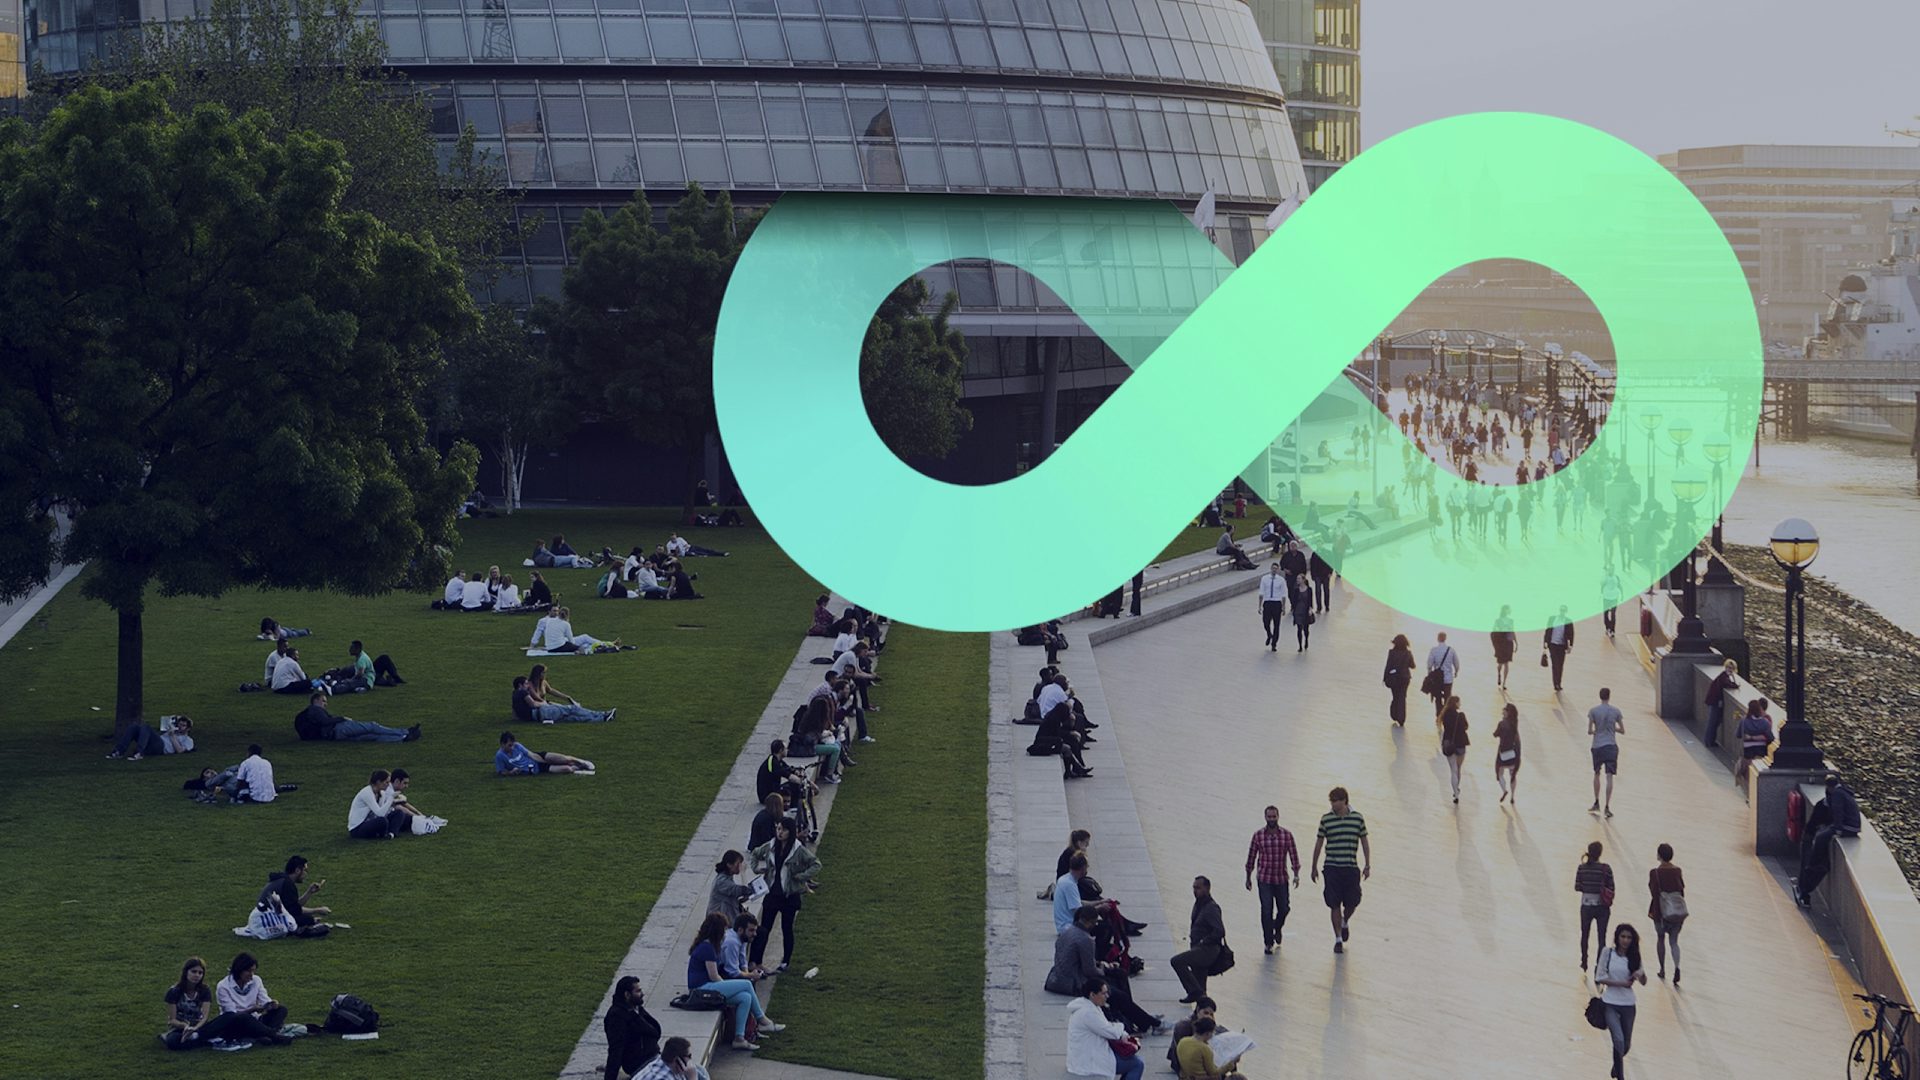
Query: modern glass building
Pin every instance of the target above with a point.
(1315, 46)
(586, 102)
(13, 55)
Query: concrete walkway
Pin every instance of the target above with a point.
(1463, 958)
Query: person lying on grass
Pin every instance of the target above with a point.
(314, 723)
(514, 759)
(271, 630)
(173, 736)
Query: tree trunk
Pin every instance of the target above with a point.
(127, 700)
(513, 465)
(520, 471)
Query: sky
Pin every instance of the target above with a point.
(1661, 74)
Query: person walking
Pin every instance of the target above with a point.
(1441, 659)
(1321, 571)
(1605, 724)
(1610, 596)
(1504, 643)
(1206, 933)
(1593, 880)
(1728, 678)
(1557, 640)
(1269, 852)
(1342, 835)
(1506, 759)
(1614, 974)
(1303, 616)
(1453, 742)
(1397, 677)
(1273, 603)
(1667, 909)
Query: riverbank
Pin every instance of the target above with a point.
(1863, 694)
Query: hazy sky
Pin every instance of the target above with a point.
(1661, 74)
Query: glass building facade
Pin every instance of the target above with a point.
(1315, 46)
(586, 102)
(13, 56)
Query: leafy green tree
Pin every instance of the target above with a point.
(491, 392)
(633, 334)
(315, 65)
(910, 374)
(211, 365)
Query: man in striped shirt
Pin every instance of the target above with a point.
(1342, 835)
(1271, 849)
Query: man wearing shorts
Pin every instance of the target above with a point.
(1604, 723)
(1343, 836)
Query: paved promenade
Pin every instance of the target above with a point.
(1464, 955)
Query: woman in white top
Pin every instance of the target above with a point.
(242, 994)
(1614, 974)
(1089, 1035)
(508, 598)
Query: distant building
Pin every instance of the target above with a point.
(1315, 46)
(1798, 217)
(13, 66)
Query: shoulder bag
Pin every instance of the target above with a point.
(1673, 907)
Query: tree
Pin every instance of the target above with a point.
(633, 333)
(211, 364)
(488, 394)
(314, 65)
(910, 374)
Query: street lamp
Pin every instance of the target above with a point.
(1680, 431)
(1688, 486)
(1472, 340)
(1650, 421)
(1718, 447)
(1795, 544)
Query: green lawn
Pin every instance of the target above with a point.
(487, 947)
(898, 930)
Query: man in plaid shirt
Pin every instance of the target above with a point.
(1272, 848)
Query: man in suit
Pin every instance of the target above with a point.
(1557, 639)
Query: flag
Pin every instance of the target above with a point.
(1203, 213)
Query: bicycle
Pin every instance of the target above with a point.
(1880, 1052)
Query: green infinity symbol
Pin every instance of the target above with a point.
(1238, 366)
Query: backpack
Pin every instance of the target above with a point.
(351, 1016)
(701, 1000)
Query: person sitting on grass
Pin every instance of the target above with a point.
(674, 1063)
(254, 777)
(191, 1009)
(546, 558)
(288, 676)
(680, 548)
(513, 759)
(474, 595)
(508, 598)
(315, 724)
(611, 587)
(531, 706)
(418, 822)
(278, 654)
(823, 620)
(633, 1035)
(562, 551)
(494, 583)
(537, 598)
(283, 897)
(555, 635)
(455, 590)
(372, 815)
(544, 691)
(244, 997)
(174, 736)
(271, 630)
(363, 673)
(703, 973)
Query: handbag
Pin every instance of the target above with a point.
(1597, 1013)
(1222, 963)
(1606, 896)
(1509, 755)
(1543, 660)
(1124, 1048)
(1673, 907)
(1431, 684)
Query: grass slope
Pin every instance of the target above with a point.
(898, 929)
(486, 947)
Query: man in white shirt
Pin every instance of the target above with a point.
(273, 661)
(255, 774)
(372, 815)
(555, 634)
(474, 594)
(1443, 659)
(456, 590)
(645, 581)
(289, 677)
(1273, 604)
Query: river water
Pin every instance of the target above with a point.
(1864, 500)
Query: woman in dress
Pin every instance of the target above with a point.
(1302, 610)
(1506, 760)
(1504, 642)
(1662, 879)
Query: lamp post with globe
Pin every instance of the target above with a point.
(1650, 419)
(1688, 487)
(1795, 545)
(1718, 447)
